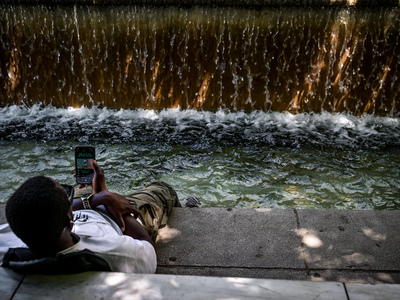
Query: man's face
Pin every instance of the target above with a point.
(69, 190)
(71, 217)
(69, 198)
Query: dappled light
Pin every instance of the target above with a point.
(140, 288)
(344, 246)
(115, 279)
(376, 236)
(168, 233)
(309, 238)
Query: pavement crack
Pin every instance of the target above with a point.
(302, 248)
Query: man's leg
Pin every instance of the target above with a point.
(82, 192)
(155, 204)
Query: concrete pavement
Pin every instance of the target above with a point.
(317, 245)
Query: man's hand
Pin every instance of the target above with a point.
(115, 204)
(99, 181)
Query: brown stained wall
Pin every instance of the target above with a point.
(281, 59)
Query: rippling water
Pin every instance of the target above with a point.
(226, 159)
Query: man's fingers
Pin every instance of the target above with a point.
(135, 211)
(95, 166)
(97, 169)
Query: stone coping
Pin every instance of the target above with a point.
(102, 285)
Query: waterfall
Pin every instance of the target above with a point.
(296, 59)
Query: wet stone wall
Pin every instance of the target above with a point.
(334, 58)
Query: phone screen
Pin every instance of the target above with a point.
(84, 155)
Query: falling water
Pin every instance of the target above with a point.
(296, 59)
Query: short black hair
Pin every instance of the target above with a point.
(37, 213)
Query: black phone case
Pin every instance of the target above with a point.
(87, 179)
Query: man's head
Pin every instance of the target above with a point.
(38, 212)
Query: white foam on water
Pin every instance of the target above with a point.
(334, 129)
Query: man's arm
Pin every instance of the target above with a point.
(117, 206)
(132, 227)
(135, 230)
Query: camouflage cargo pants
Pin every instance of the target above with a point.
(155, 204)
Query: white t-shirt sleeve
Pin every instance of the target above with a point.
(132, 256)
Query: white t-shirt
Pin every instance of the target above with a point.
(101, 235)
(8, 240)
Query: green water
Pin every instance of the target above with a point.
(259, 160)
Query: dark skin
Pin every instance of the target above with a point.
(117, 206)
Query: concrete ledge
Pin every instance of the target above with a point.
(316, 245)
(102, 285)
(93, 285)
(132, 286)
(212, 2)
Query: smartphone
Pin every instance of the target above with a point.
(84, 155)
